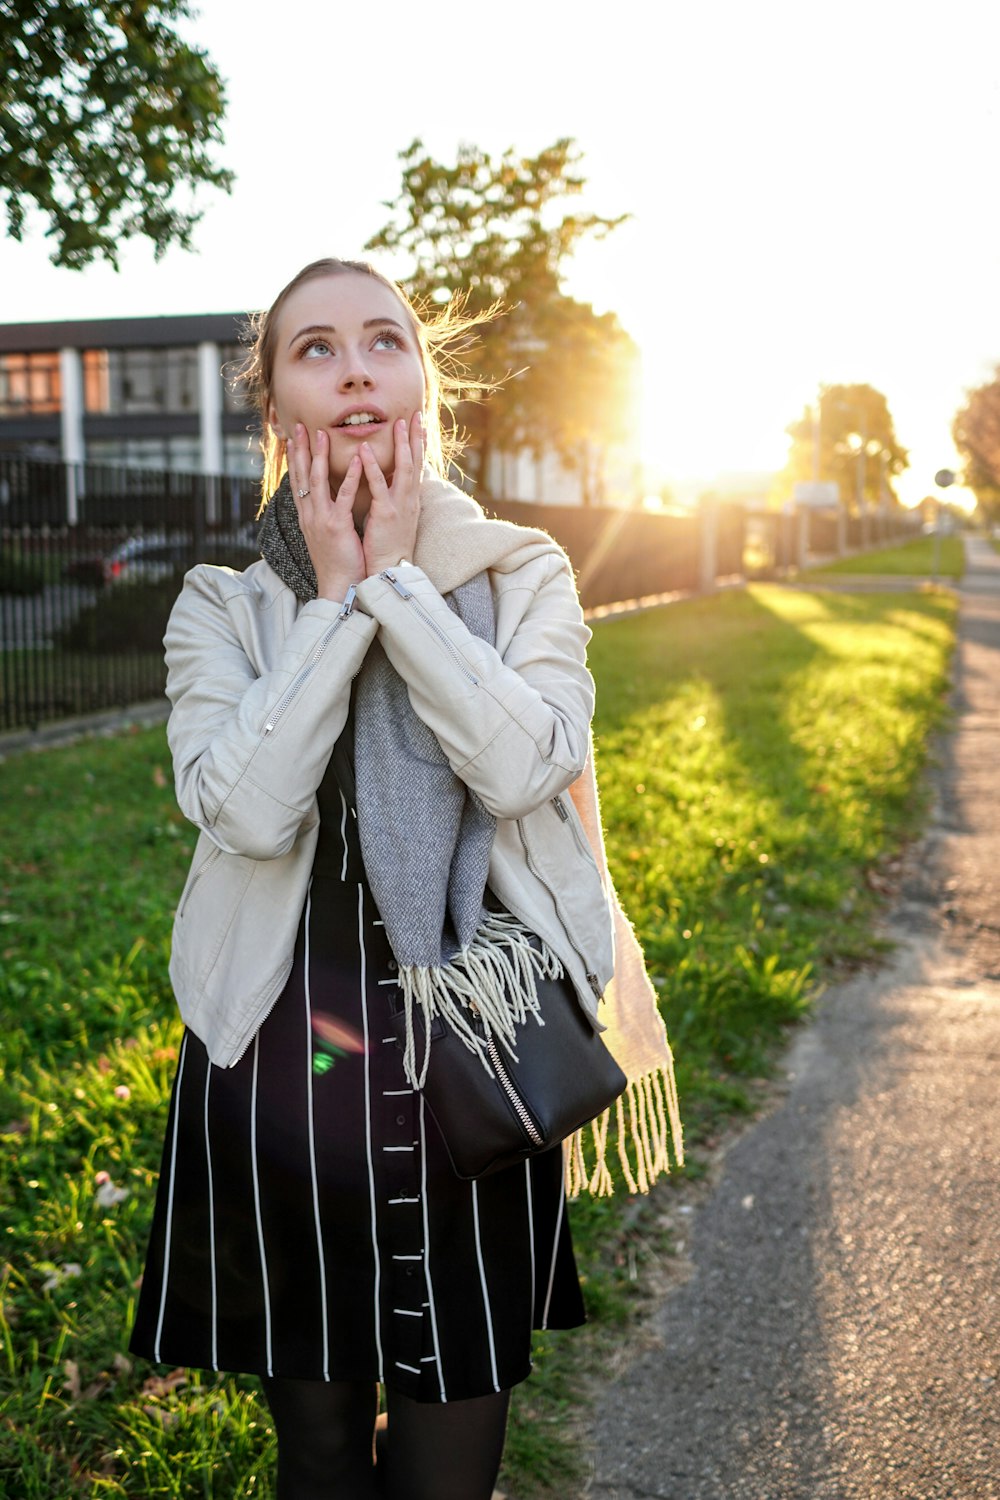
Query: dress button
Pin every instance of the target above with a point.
(392, 965)
(400, 1119)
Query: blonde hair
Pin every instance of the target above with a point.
(441, 339)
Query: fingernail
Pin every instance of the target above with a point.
(320, 434)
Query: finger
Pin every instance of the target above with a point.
(417, 441)
(319, 468)
(348, 491)
(402, 471)
(373, 471)
(298, 459)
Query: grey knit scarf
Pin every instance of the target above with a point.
(425, 836)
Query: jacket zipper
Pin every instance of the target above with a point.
(209, 860)
(428, 620)
(592, 978)
(566, 817)
(310, 666)
(505, 1081)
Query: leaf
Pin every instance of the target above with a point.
(165, 1385)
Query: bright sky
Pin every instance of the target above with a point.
(813, 189)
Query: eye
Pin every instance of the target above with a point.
(314, 346)
(389, 336)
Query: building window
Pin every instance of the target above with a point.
(29, 385)
(137, 382)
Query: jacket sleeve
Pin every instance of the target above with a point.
(514, 727)
(249, 748)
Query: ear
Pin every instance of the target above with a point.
(274, 422)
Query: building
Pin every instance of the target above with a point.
(147, 392)
(153, 393)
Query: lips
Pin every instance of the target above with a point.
(360, 419)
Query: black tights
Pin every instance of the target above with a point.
(431, 1451)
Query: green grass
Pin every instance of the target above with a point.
(760, 755)
(913, 559)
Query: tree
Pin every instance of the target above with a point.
(976, 431)
(106, 116)
(858, 447)
(484, 231)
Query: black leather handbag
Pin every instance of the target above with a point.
(564, 1076)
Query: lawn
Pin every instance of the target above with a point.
(927, 557)
(760, 757)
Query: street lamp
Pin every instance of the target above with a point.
(944, 478)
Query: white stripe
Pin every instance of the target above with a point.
(408, 1312)
(400, 1366)
(482, 1281)
(407, 1257)
(320, 1252)
(555, 1246)
(343, 834)
(531, 1236)
(211, 1228)
(404, 1200)
(170, 1203)
(388, 1039)
(389, 981)
(368, 1129)
(394, 1093)
(427, 1254)
(399, 1148)
(256, 1203)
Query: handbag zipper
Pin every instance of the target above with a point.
(504, 1079)
(431, 623)
(310, 666)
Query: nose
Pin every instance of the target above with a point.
(356, 376)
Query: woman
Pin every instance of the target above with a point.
(373, 728)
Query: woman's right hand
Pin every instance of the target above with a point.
(327, 520)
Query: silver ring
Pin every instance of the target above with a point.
(302, 494)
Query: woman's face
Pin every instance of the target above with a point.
(345, 359)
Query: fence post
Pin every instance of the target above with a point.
(71, 428)
(841, 531)
(800, 520)
(708, 526)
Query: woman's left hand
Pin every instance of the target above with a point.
(391, 526)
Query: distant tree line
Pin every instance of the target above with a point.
(976, 431)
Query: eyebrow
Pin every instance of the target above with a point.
(329, 328)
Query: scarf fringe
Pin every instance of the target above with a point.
(647, 1116)
(496, 973)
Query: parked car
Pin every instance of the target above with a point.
(154, 556)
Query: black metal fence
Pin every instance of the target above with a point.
(91, 560)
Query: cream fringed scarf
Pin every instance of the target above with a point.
(456, 544)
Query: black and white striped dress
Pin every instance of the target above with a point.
(308, 1223)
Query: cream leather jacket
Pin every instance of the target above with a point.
(260, 687)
